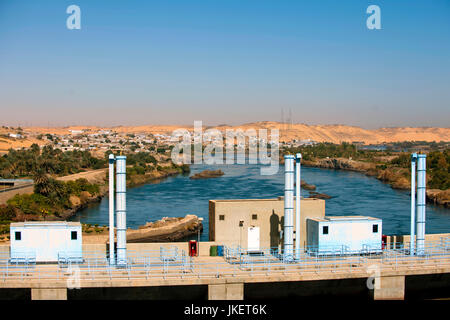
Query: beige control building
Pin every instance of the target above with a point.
(231, 222)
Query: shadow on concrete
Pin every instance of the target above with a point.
(356, 289)
(194, 292)
(431, 286)
(274, 230)
(15, 294)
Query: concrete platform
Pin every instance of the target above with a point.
(224, 280)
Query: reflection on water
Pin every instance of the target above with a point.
(353, 194)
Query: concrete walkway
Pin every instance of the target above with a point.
(224, 280)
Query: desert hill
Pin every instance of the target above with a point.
(320, 133)
(343, 133)
(7, 142)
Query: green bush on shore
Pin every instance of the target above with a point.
(7, 213)
(185, 168)
(27, 162)
(438, 162)
(323, 150)
(141, 159)
(438, 168)
(80, 185)
(51, 197)
(33, 204)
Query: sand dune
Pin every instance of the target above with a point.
(343, 133)
(320, 133)
(8, 143)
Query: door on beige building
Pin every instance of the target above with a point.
(253, 239)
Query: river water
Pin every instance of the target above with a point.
(353, 194)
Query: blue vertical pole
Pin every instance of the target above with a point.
(111, 210)
(413, 203)
(298, 180)
(288, 207)
(421, 198)
(121, 210)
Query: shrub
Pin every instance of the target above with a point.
(403, 160)
(185, 168)
(80, 185)
(31, 203)
(27, 162)
(7, 212)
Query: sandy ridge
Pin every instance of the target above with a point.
(320, 133)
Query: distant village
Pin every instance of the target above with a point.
(100, 141)
(104, 140)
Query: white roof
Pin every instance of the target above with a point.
(46, 224)
(345, 218)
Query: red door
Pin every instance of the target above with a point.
(383, 241)
(193, 252)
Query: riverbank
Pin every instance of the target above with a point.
(164, 230)
(396, 177)
(439, 197)
(153, 176)
(134, 180)
(85, 188)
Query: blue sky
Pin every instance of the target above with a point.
(225, 61)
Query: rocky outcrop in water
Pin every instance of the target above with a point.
(439, 197)
(206, 174)
(340, 164)
(317, 195)
(307, 186)
(166, 230)
(396, 177)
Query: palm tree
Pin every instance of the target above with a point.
(42, 183)
(48, 165)
(12, 168)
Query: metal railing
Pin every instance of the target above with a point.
(170, 263)
(237, 254)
